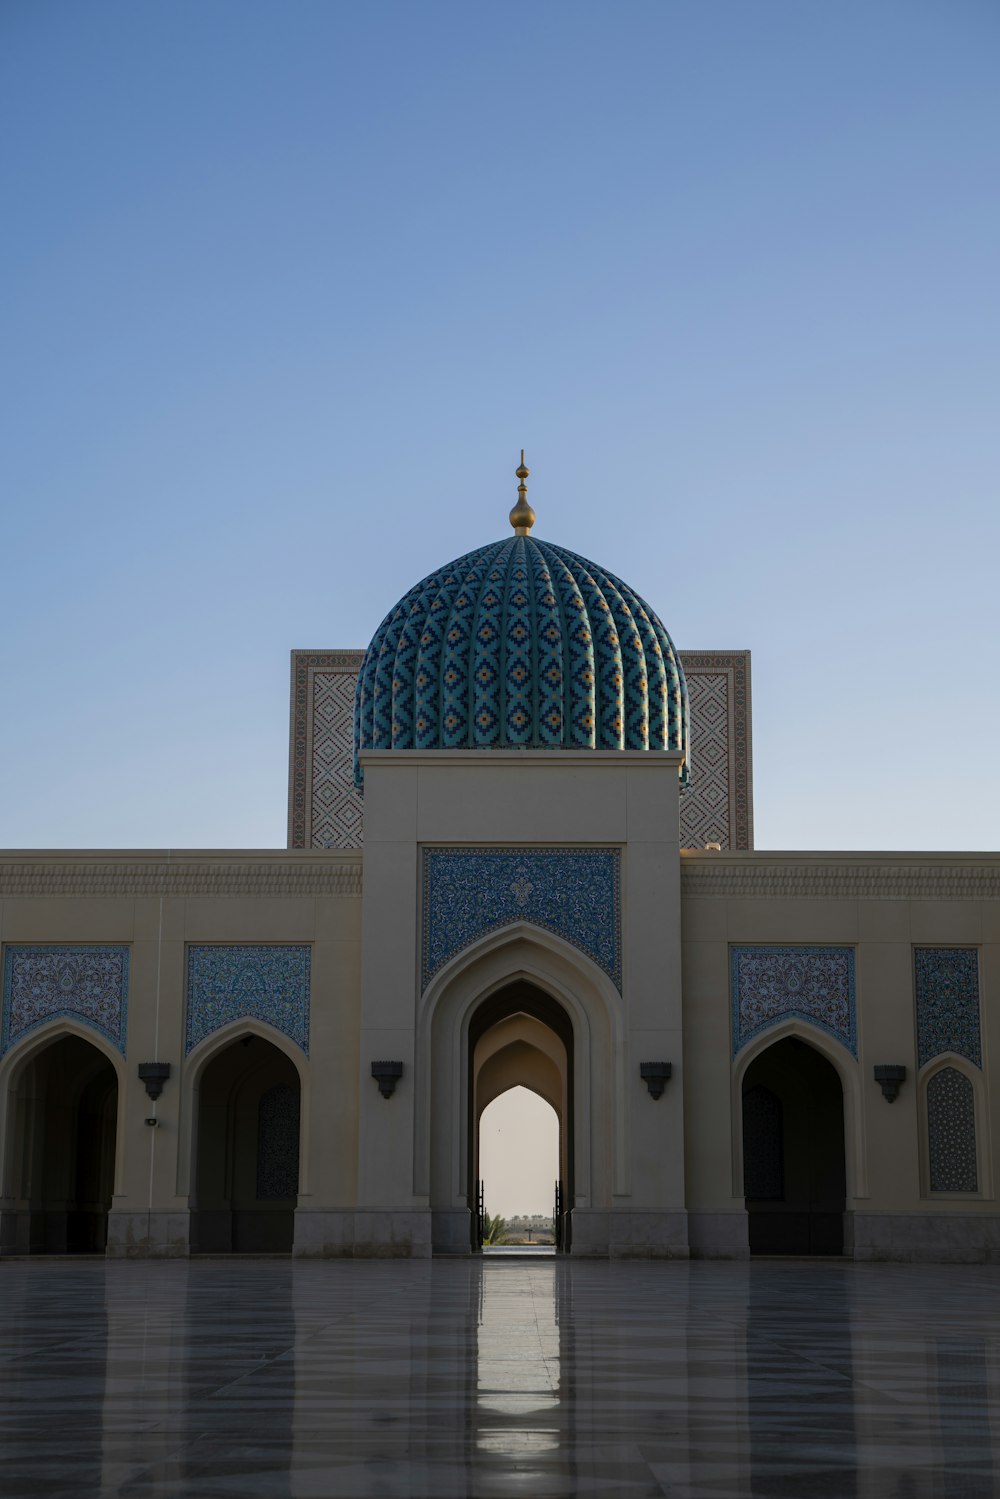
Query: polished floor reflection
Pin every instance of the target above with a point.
(532, 1377)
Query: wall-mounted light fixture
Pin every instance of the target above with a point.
(152, 1121)
(655, 1075)
(387, 1075)
(154, 1075)
(889, 1075)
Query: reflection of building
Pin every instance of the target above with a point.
(539, 900)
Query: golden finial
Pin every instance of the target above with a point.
(522, 517)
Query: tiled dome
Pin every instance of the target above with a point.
(521, 644)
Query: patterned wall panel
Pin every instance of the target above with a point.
(278, 1144)
(763, 1146)
(468, 892)
(89, 984)
(247, 982)
(324, 807)
(946, 984)
(325, 810)
(717, 806)
(771, 984)
(951, 1132)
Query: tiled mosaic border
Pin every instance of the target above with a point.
(846, 1034)
(946, 990)
(600, 940)
(276, 983)
(116, 1003)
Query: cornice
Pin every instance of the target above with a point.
(96, 874)
(843, 876)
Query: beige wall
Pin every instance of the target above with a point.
(157, 903)
(374, 1174)
(629, 1169)
(882, 905)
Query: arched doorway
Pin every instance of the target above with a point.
(246, 1153)
(794, 1176)
(521, 1036)
(63, 1125)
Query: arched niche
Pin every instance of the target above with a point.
(245, 1148)
(793, 1150)
(954, 1134)
(61, 1151)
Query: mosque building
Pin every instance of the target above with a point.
(520, 853)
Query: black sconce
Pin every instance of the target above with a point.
(154, 1075)
(387, 1074)
(889, 1075)
(656, 1076)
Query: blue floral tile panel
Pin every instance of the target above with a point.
(248, 982)
(946, 981)
(87, 983)
(772, 984)
(468, 892)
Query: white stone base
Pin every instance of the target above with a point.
(362, 1233)
(324, 1235)
(452, 1231)
(719, 1236)
(924, 1238)
(627, 1234)
(152, 1236)
(646, 1234)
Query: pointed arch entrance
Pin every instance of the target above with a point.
(246, 1150)
(521, 1036)
(794, 1160)
(62, 1131)
(595, 1118)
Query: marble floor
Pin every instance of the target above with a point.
(177, 1380)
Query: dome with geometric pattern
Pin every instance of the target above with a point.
(521, 644)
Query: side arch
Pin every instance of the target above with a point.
(193, 1070)
(27, 1050)
(848, 1071)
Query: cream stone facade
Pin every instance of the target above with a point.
(221, 1051)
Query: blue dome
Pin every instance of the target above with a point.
(521, 644)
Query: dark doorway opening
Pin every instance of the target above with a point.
(247, 1151)
(794, 1176)
(61, 1168)
(521, 1036)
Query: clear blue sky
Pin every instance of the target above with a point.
(286, 286)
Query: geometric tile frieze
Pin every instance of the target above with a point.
(946, 985)
(951, 1132)
(48, 982)
(468, 892)
(325, 810)
(772, 984)
(114, 875)
(245, 981)
(820, 877)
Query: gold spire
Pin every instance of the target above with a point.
(522, 517)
